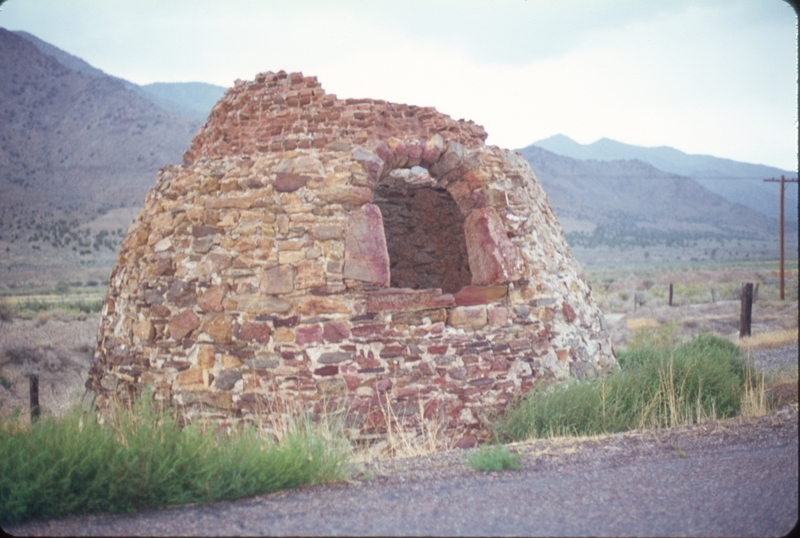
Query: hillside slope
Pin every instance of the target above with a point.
(634, 197)
(738, 182)
(73, 146)
(74, 142)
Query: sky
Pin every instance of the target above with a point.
(714, 77)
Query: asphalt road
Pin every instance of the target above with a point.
(735, 489)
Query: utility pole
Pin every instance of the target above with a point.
(783, 183)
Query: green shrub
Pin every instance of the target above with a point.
(654, 387)
(493, 459)
(142, 459)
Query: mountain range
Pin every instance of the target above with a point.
(79, 149)
(738, 182)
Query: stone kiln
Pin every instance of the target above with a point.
(366, 254)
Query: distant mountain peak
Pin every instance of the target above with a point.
(738, 182)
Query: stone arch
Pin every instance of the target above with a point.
(477, 253)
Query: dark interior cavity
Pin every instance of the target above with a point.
(424, 233)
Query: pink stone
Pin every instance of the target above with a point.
(432, 150)
(254, 332)
(385, 153)
(278, 280)
(498, 316)
(182, 324)
(352, 382)
(493, 258)
(285, 182)
(449, 160)
(211, 299)
(472, 295)
(335, 331)
(383, 385)
(467, 317)
(212, 263)
(308, 335)
(414, 151)
(365, 255)
(372, 164)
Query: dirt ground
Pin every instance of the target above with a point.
(58, 351)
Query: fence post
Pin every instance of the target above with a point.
(35, 409)
(670, 294)
(747, 309)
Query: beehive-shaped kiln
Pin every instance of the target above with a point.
(375, 256)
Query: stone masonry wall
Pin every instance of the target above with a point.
(258, 271)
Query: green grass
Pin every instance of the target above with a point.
(657, 385)
(493, 458)
(142, 459)
(31, 306)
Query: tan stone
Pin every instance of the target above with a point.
(218, 326)
(230, 362)
(192, 376)
(261, 305)
(205, 357)
(283, 335)
(313, 306)
(310, 274)
(278, 280)
(468, 317)
(331, 386)
(144, 330)
(292, 256)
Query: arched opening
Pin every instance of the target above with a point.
(424, 232)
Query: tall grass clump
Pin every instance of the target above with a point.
(657, 385)
(141, 458)
(493, 459)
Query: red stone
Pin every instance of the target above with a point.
(569, 313)
(308, 335)
(254, 332)
(331, 369)
(365, 255)
(211, 299)
(335, 331)
(472, 295)
(182, 324)
(290, 182)
(383, 385)
(367, 330)
(352, 382)
(493, 258)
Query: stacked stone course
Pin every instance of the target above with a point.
(301, 252)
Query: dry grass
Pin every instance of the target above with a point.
(767, 340)
(406, 438)
(641, 323)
